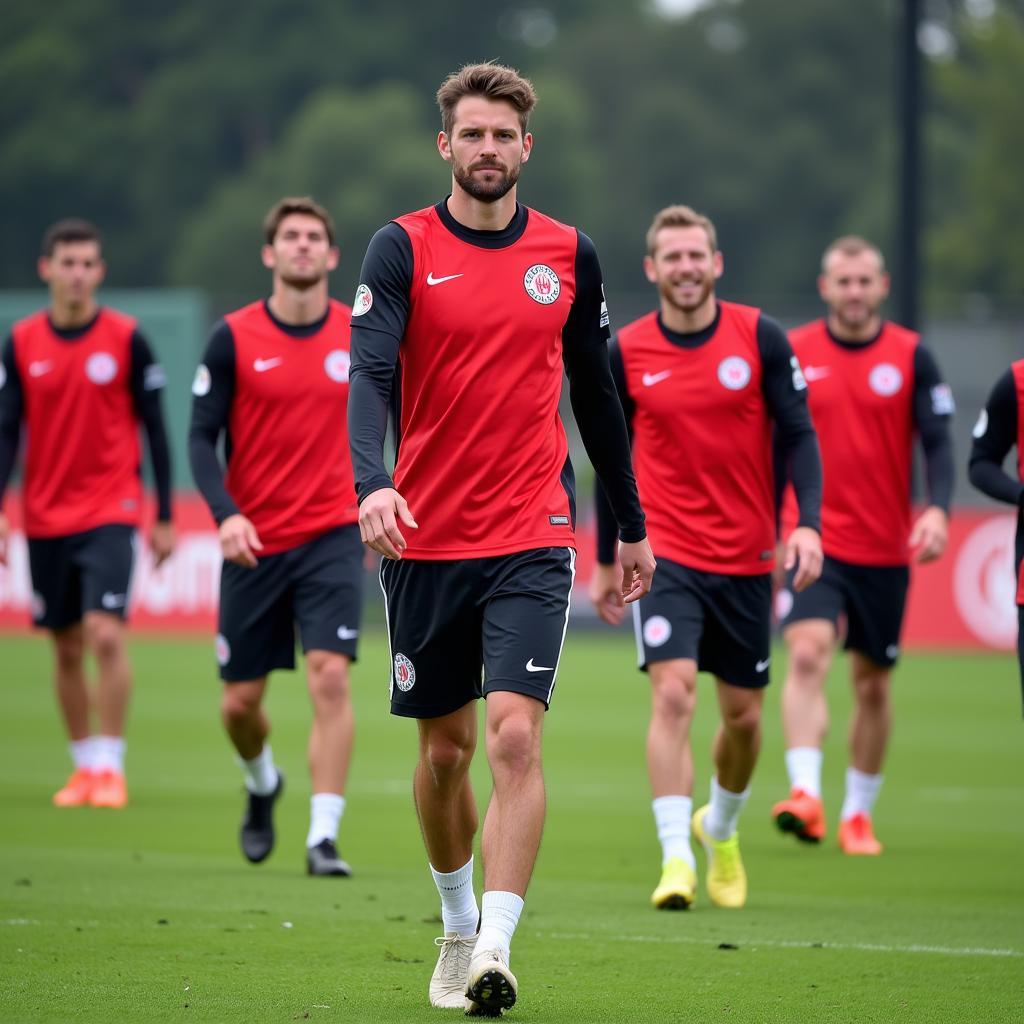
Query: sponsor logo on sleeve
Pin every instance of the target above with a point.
(542, 284)
(734, 373)
(982, 425)
(363, 301)
(799, 380)
(202, 382)
(605, 319)
(3, 376)
(336, 365)
(885, 380)
(101, 367)
(942, 400)
(153, 377)
(405, 674)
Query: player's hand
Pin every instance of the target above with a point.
(379, 514)
(606, 593)
(930, 534)
(239, 541)
(638, 565)
(803, 550)
(5, 533)
(161, 542)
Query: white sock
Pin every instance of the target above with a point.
(861, 793)
(804, 767)
(81, 753)
(724, 812)
(672, 819)
(499, 917)
(459, 910)
(260, 772)
(108, 754)
(325, 811)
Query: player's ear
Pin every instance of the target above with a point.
(444, 146)
(823, 287)
(267, 256)
(527, 146)
(333, 256)
(649, 272)
(102, 272)
(43, 269)
(718, 263)
(886, 281)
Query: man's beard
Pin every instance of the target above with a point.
(857, 322)
(706, 285)
(301, 282)
(486, 193)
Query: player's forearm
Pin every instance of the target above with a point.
(368, 397)
(939, 469)
(160, 456)
(209, 475)
(607, 529)
(989, 477)
(801, 455)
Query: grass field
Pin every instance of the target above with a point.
(150, 914)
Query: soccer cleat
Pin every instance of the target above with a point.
(802, 814)
(677, 887)
(726, 880)
(257, 833)
(857, 837)
(108, 789)
(451, 972)
(323, 859)
(75, 792)
(490, 987)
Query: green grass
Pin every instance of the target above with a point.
(151, 914)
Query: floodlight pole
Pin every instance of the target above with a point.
(907, 271)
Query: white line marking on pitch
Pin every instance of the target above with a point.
(867, 947)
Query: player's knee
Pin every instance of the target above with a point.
(674, 697)
(514, 743)
(743, 720)
(239, 703)
(447, 754)
(328, 679)
(106, 638)
(69, 649)
(807, 661)
(872, 689)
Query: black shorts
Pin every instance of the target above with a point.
(79, 573)
(447, 621)
(871, 597)
(723, 622)
(317, 587)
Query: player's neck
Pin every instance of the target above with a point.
(67, 316)
(689, 321)
(296, 306)
(849, 332)
(472, 213)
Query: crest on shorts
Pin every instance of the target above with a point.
(38, 606)
(336, 365)
(734, 373)
(222, 649)
(405, 674)
(101, 367)
(657, 630)
(542, 284)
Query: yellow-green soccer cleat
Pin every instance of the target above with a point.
(727, 881)
(677, 888)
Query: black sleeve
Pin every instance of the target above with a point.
(995, 434)
(796, 443)
(11, 407)
(213, 391)
(147, 381)
(607, 528)
(377, 330)
(592, 393)
(933, 411)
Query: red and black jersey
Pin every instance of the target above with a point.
(279, 392)
(480, 324)
(868, 401)
(82, 454)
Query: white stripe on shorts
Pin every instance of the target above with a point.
(568, 602)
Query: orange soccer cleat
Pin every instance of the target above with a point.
(76, 790)
(108, 790)
(857, 837)
(802, 814)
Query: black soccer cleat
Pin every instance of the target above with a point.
(323, 859)
(257, 832)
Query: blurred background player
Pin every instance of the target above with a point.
(82, 378)
(872, 387)
(704, 383)
(998, 429)
(481, 302)
(274, 382)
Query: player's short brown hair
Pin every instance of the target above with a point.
(71, 229)
(680, 217)
(490, 80)
(296, 204)
(851, 245)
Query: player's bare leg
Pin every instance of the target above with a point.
(670, 769)
(329, 753)
(73, 699)
(105, 638)
(738, 740)
(811, 643)
(246, 722)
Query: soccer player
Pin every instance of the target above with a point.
(1000, 426)
(704, 383)
(274, 382)
(82, 378)
(872, 387)
(480, 302)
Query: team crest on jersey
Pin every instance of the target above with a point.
(885, 380)
(336, 365)
(363, 301)
(657, 630)
(542, 284)
(222, 649)
(101, 368)
(405, 674)
(202, 382)
(734, 373)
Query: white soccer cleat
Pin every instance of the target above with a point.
(491, 986)
(448, 982)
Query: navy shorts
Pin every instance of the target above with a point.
(872, 598)
(723, 622)
(449, 622)
(79, 573)
(316, 589)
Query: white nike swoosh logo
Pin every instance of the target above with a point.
(110, 600)
(650, 379)
(762, 665)
(441, 280)
(262, 365)
(530, 667)
(816, 372)
(344, 633)
(38, 369)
